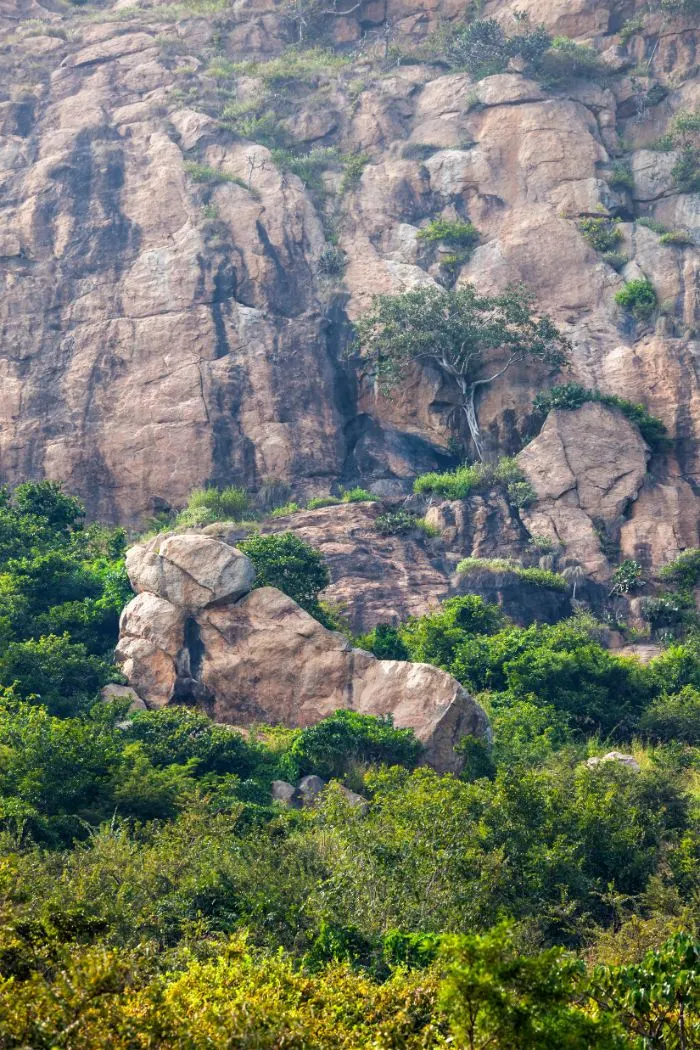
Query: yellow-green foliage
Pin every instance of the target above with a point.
(475, 477)
(208, 505)
(239, 998)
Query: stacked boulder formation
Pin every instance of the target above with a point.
(197, 632)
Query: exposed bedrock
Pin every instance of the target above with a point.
(166, 313)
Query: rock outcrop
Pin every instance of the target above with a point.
(175, 300)
(586, 468)
(261, 658)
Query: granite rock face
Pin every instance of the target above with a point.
(172, 310)
(261, 658)
(586, 468)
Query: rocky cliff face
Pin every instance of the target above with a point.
(175, 300)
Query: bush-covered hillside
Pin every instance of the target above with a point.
(153, 895)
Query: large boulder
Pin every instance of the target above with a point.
(191, 571)
(586, 466)
(261, 658)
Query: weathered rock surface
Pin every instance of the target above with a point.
(615, 756)
(189, 571)
(165, 319)
(586, 467)
(386, 579)
(261, 658)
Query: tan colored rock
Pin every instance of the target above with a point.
(155, 620)
(507, 88)
(265, 659)
(615, 756)
(190, 570)
(151, 671)
(664, 522)
(123, 692)
(586, 467)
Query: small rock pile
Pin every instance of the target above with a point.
(307, 791)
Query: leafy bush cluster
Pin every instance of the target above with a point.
(477, 477)
(286, 562)
(603, 234)
(62, 587)
(483, 49)
(400, 522)
(206, 506)
(638, 297)
(683, 135)
(571, 396)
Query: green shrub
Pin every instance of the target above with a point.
(358, 495)
(638, 298)
(211, 176)
(322, 501)
(467, 565)
(602, 234)
(627, 577)
(309, 167)
(669, 610)
(331, 261)
(483, 49)
(54, 671)
(285, 509)
(571, 396)
(539, 577)
(618, 260)
(457, 232)
(395, 523)
(684, 571)
(674, 718)
(206, 506)
(452, 484)
(179, 735)
(651, 224)
(677, 238)
(385, 642)
(286, 562)
(566, 60)
(620, 177)
(332, 747)
(480, 48)
(458, 483)
(686, 171)
(543, 578)
(353, 166)
(630, 27)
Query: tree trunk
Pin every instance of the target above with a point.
(468, 393)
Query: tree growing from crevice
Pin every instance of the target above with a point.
(471, 339)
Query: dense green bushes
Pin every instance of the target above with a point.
(638, 297)
(482, 48)
(477, 477)
(151, 895)
(333, 747)
(286, 562)
(62, 587)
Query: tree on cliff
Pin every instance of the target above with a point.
(472, 339)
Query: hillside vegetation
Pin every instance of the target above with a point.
(152, 895)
